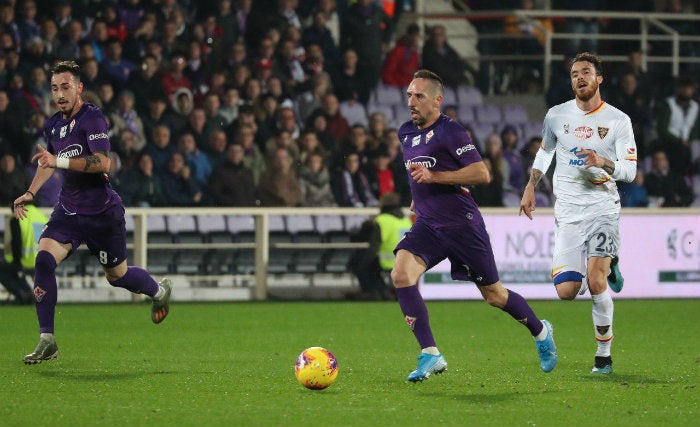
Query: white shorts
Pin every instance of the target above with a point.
(575, 242)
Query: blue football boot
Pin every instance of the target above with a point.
(615, 279)
(428, 365)
(546, 349)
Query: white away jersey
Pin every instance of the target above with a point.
(567, 130)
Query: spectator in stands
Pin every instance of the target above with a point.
(289, 68)
(586, 27)
(116, 67)
(377, 127)
(141, 186)
(307, 102)
(160, 150)
(317, 123)
(62, 13)
(678, 125)
(216, 148)
(179, 186)
(145, 84)
(509, 136)
(366, 29)
(98, 38)
(158, 114)
(28, 26)
(253, 157)
(182, 106)
(350, 185)
(318, 33)
(91, 78)
(39, 88)
(635, 104)
(15, 180)
(287, 121)
(441, 58)
(393, 147)
(126, 117)
(175, 77)
(195, 159)
(634, 194)
(315, 182)
(8, 24)
(229, 106)
(278, 184)
(336, 125)
(50, 37)
(197, 69)
(130, 13)
(381, 176)
(346, 82)
(226, 19)
(115, 27)
(284, 140)
(493, 151)
(356, 142)
(137, 43)
(490, 194)
(402, 61)
(212, 105)
(309, 144)
(128, 154)
(197, 126)
(331, 18)
(232, 184)
(11, 129)
(666, 187)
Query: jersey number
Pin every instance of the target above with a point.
(103, 258)
(602, 247)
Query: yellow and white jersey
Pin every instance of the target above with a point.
(567, 130)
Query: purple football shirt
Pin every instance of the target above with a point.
(79, 136)
(444, 146)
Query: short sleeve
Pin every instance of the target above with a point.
(549, 139)
(97, 133)
(462, 148)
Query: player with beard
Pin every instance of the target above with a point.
(88, 209)
(594, 147)
(442, 162)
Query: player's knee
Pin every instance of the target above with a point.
(400, 278)
(566, 293)
(567, 284)
(45, 262)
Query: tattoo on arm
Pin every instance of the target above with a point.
(609, 166)
(535, 177)
(90, 160)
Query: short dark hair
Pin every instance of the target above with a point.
(429, 75)
(67, 67)
(589, 57)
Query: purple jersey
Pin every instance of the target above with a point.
(444, 146)
(79, 136)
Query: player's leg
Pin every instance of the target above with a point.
(51, 253)
(603, 242)
(105, 236)
(139, 281)
(568, 261)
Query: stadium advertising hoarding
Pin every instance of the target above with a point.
(659, 257)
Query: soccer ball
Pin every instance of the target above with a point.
(316, 368)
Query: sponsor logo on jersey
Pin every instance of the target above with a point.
(583, 132)
(64, 130)
(415, 141)
(428, 136)
(462, 150)
(577, 161)
(73, 150)
(602, 132)
(95, 136)
(426, 161)
(566, 128)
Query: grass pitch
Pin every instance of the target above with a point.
(232, 365)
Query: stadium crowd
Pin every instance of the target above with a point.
(268, 102)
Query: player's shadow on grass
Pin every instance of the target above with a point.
(486, 397)
(92, 376)
(627, 379)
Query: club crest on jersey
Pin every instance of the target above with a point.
(39, 293)
(70, 127)
(428, 136)
(631, 150)
(415, 141)
(566, 128)
(411, 322)
(602, 132)
(583, 132)
(64, 130)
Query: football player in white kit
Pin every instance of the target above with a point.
(594, 147)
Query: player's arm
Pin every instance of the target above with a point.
(543, 159)
(40, 177)
(473, 174)
(97, 162)
(624, 168)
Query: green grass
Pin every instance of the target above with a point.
(232, 365)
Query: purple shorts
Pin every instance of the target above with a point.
(104, 234)
(467, 248)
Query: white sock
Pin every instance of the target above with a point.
(431, 350)
(47, 336)
(542, 335)
(160, 293)
(603, 309)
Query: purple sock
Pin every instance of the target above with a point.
(138, 281)
(517, 307)
(45, 290)
(413, 307)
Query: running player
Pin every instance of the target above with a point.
(595, 147)
(88, 210)
(441, 161)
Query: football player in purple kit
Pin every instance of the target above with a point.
(442, 161)
(88, 209)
